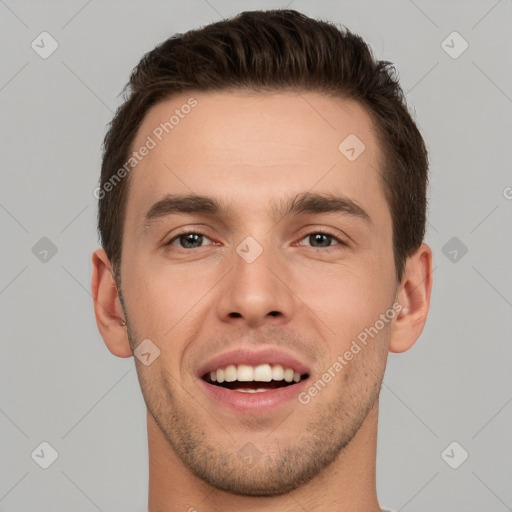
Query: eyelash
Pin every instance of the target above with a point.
(319, 232)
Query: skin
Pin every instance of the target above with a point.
(250, 150)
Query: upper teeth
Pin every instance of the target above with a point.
(262, 373)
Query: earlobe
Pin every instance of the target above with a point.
(414, 299)
(107, 306)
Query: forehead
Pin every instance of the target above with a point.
(248, 148)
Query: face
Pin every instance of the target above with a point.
(270, 274)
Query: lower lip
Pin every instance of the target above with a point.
(265, 401)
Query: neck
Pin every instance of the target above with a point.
(347, 484)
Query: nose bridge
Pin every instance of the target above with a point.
(255, 291)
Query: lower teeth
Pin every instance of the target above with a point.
(249, 390)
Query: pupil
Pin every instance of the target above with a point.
(322, 239)
(190, 239)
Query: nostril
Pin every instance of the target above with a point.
(238, 315)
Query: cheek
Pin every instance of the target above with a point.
(167, 301)
(347, 298)
(349, 305)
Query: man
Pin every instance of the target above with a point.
(262, 213)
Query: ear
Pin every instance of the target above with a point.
(414, 297)
(107, 306)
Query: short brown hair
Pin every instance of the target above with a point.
(275, 50)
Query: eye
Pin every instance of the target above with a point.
(189, 240)
(320, 239)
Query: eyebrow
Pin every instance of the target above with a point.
(307, 202)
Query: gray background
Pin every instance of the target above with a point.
(59, 383)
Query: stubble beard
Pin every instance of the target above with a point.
(287, 466)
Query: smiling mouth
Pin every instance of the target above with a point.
(254, 379)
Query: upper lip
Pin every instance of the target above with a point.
(254, 357)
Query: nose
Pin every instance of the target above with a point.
(255, 291)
